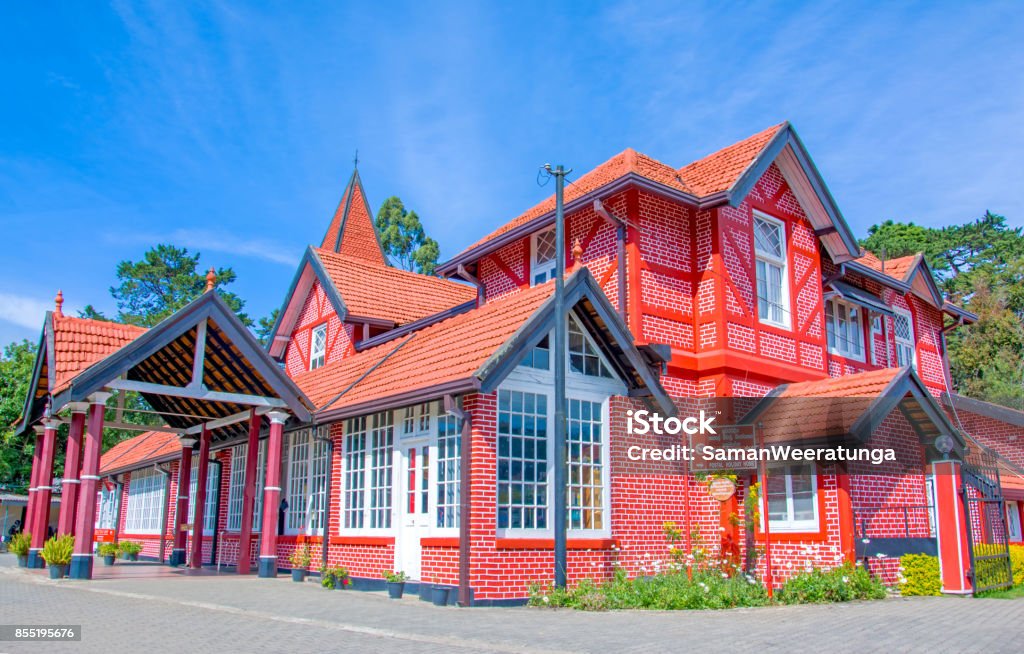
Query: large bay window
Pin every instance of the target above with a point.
(792, 498)
(145, 501)
(542, 256)
(843, 324)
(236, 486)
(212, 483)
(903, 329)
(307, 481)
(772, 283)
(367, 478)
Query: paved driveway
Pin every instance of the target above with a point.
(227, 613)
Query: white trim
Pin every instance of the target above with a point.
(911, 343)
(791, 525)
(832, 327)
(770, 259)
(319, 357)
(548, 268)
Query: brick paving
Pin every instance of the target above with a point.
(177, 612)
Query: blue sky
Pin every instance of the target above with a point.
(231, 129)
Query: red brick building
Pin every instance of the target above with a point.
(427, 444)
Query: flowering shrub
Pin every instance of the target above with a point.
(841, 584)
(919, 575)
(1017, 562)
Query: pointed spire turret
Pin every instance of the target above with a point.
(352, 231)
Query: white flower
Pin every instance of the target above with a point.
(725, 576)
(846, 580)
(547, 599)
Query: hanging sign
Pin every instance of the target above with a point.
(721, 488)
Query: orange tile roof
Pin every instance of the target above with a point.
(719, 170)
(627, 161)
(354, 226)
(445, 352)
(80, 342)
(147, 447)
(379, 291)
(899, 268)
(827, 407)
(715, 172)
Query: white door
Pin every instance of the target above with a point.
(414, 505)
(1013, 520)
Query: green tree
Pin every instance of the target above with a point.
(979, 265)
(403, 239)
(15, 451)
(166, 279)
(266, 326)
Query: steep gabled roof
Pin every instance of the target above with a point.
(723, 177)
(472, 351)
(351, 231)
(912, 274)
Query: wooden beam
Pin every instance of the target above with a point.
(133, 427)
(199, 357)
(197, 393)
(241, 416)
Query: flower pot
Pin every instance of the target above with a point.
(57, 570)
(342, 584)
(134, 556)
(439, 595)
(23, 560)
(298, 574)
(395, 589)
(109, 559)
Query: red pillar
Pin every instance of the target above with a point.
(39, 518)
(951, 530)
(199, 515)
(272, 495)
(181, 508)
(33, 481)
(72, 463)
(252, 455)
(85, 522)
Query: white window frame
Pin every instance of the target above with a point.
(790, 524)
(770, 259)
(236, 487)
(416, 420)
(841, 345)
(443, 524)
(910, 344)
(212, 481)
(579, 387)
(107, 501)
(146, 488)
(546, 268)
(315, 456)
(1013, 526)
(317, 356)
(384, 462)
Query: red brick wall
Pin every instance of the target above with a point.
(316, 310)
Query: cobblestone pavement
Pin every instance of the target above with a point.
(226, 613)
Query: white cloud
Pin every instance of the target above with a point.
(205, 240)
(23, 311)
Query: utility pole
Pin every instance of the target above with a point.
(559, 512)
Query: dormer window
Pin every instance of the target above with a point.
(903, 329)
(772, 285)
(844, 328)
(542, 256)
(318, 347)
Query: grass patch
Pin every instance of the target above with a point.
(1016, 592)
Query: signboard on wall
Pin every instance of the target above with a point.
(727, 437)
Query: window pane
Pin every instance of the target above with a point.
(521, 498)
(585, 465)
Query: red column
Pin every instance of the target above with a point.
(252, 455)
(272, 495)
(72, 463)
(33, 481)
(951, 530)
(39, 518)
(199, 515)
(181, 510)
(85, 522)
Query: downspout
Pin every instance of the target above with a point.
(325, 511)
(452, 407)
(166, 512)
(216, 510)
(481, 296)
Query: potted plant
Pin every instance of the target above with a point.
(300, 563)
(109, 552)
(439, 595)
(341, 575)
(57, 554)
(20, 545)
(130, 550)
(327, 578)
(396, 583)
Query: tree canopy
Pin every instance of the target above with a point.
(15, 451)
(980, 266)
(403, 239)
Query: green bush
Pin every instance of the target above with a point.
(108, 549)
(129, 547)
(920, 575)
(670, 591)
(838, 585)
(21, 543)
(58, 550)
(1017, 562)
